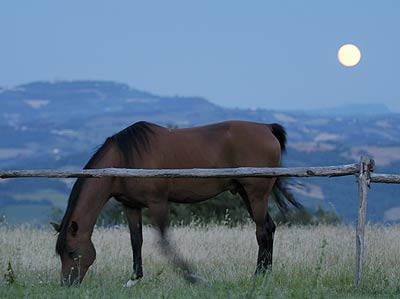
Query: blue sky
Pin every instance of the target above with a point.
(271, 54)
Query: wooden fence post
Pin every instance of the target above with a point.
(366, 165)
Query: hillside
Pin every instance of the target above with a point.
(59, 125)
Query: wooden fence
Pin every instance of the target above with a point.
(362, 171)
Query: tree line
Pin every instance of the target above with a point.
(225, 208)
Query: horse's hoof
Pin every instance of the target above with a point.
(131, 283)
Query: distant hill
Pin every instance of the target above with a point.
(354, 110)
(59, 125)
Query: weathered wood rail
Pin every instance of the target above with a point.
(328, 171)
(385, 178)
(362, 171)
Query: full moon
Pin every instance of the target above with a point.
(349, 55)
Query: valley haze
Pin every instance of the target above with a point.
(58, 125)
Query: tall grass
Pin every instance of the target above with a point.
(309, 262)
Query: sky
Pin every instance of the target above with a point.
(268, 54)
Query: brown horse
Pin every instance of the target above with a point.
(146, 145)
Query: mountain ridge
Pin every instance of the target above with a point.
(43, 128)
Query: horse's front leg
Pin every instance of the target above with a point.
(134, 217)
(159, 215)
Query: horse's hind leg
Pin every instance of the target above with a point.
(264, 260)
(257, 202)
(134, 217)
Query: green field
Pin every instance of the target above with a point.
(309, 262)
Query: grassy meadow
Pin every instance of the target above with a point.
(309, 262)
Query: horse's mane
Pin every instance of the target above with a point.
(131, 140)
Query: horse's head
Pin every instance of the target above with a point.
(77, 253)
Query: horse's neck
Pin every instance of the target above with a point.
(93, 196)
(94, 193)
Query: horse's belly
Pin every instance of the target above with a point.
(188, 191)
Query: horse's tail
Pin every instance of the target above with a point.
(280, 134)
(281, 191)
(283, 197)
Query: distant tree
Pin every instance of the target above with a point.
(225, 208)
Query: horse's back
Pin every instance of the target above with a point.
(225, 144)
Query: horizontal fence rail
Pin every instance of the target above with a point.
(328, 171)
(385, 178)
(362, 171)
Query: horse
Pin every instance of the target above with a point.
(146, 145)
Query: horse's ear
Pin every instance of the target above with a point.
(56, 226)
(74, 228)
